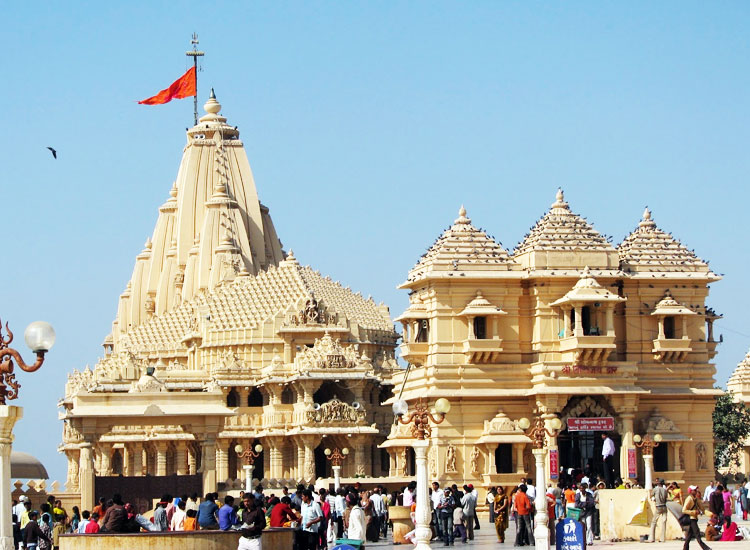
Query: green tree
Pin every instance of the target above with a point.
(731, 429)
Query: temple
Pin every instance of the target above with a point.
(739, 385)
(603, 337)
(221, 338)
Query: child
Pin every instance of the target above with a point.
(191, 520)
(58, 528)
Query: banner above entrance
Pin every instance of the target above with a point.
(595, 424)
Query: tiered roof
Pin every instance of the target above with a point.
(560, 229)
(248, 302)
(741, 376)
(461, 247)
(649, 249)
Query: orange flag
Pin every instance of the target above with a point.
(180, 88)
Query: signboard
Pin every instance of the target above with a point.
(632, 465)
(569, 534)
(554, 466)
(593, 424)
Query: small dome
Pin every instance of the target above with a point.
(26, 466)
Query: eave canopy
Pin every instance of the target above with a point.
(587, 290)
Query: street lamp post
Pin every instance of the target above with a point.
(420, 419)
(336, 457)
(248, 455)
(647, 444)
(537, 433)
(40, 337)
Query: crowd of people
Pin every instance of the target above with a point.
(320, 518)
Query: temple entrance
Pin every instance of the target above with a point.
(585, 419)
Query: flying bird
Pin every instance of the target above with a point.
(54, 153)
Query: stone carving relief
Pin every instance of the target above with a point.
(500, 424)
(701, 456)
(310, 470)
(361, 470)
(474, 458)
(230, 363)
(587, 407)
(336, 410)
(450, 460)
(681, 456)
(433, 461)
(656, 423)
(148, 383)
(402, 462)
(313, 314)
(328, 353)
(80, 381)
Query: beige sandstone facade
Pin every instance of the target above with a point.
(568, 325)
(739, 385)
(221, 339)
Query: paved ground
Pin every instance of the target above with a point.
(485, 538)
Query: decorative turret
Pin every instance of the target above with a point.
(562, 239)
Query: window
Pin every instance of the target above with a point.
(255, 399)
(669, 332)
(423, 329)
(233, 399)
(287, 396)
(661, 458)
(480, 328)
(504, 458)
(586, 320)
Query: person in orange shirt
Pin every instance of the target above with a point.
(191, 520)
(523, 509)
(570, 498)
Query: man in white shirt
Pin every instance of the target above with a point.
(311, 517)
(608, 460)
(710, 488)
(435, 498)
(378, 510)
(19, 508)
(530, 490)
(340, 507)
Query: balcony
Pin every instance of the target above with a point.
(482, 351)
(414, 352)
(671, 350)
(586, 350)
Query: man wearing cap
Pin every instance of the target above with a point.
(692, 508)
(660, 495)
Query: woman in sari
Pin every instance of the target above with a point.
(730, 531)
(501, 509)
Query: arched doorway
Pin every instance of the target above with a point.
(580, 442)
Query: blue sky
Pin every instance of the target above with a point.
(367, 125)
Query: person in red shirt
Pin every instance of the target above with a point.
(282, 513)
(93, 525)
(523, 509)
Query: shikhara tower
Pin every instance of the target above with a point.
(223, 339)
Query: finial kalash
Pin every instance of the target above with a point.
(420, 417)
(539, 430)
(336, 457)
(40, 337)
(248, 455)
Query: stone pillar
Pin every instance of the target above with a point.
(490, 463)
(9, 415)
(676, 466)
(661, 327)
(684, 328)
(208, 464)
(137, 460)
(106, 460)
(361, 457)
(541, 531)
(422, 532)
(222, 461)
(275, 459)
(578, 330)
(627, 441)
(86, 476)
(243, 392)
(191, 461)
(610, 320)
(300, 467)
(161, 458)
(309, 473)
(519, 448)
(180, 458)
(72, 484)
(470, 320)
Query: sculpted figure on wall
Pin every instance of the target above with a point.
(700, 456)
(433, 462)
(475, 460)
(450, 460)
(402, 462)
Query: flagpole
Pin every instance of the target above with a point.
(195, 54)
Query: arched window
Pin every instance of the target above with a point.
(255, 399)
(233, 399)
(287, 396)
